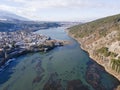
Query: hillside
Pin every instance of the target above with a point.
(12, 22)
(101, 39)
(9, 16)
(26, 25)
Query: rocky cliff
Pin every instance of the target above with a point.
(101, 39)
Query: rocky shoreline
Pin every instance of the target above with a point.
(109, 70)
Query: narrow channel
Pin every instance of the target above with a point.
(63, 68)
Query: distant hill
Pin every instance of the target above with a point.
(13, 22)
(101, 38)
(5, 15)
(26, 25)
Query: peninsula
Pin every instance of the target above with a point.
(14, 44)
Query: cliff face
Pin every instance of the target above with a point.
(101, 39)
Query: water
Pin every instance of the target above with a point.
(63, 68)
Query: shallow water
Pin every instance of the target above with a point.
(63, 68)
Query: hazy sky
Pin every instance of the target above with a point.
(62, 10)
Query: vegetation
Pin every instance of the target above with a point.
(115, 63)
(106, 52)
(95, 31)
(101, 26)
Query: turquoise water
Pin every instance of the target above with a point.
(63, 68)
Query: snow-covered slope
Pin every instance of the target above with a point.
(5, 15)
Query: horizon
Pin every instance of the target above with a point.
(61, 10)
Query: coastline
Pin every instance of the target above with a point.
(45, 48)
(109, 70)
(20, 43)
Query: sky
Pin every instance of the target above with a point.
(62, 10)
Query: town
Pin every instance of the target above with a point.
(14, 44)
